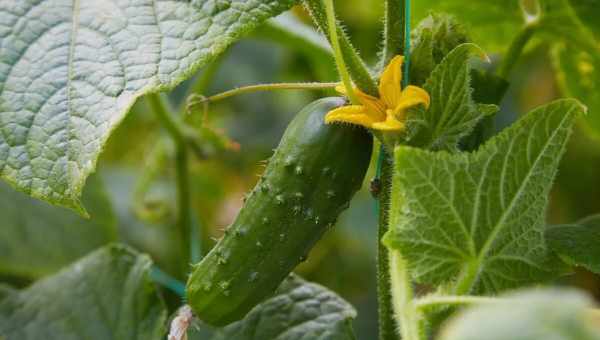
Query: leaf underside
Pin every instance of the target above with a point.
(578, 243)
(107, 295)
(479, 217)
(70, 71)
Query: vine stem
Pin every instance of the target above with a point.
(197, 99)
(337, 52)
(403, 298)
(516, 48)
(395, 13)
(387, 324)
(175, 130)
(431, 301)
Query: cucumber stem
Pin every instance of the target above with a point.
(402, 293)
(387, 323)
(337, 52)
(393, 30)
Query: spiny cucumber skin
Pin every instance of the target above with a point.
(308, 182)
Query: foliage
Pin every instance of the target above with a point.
(472, 197)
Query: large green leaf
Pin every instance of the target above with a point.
(579, 243)
(478, 218)
(527, 315)
(453, 114)
(106, 295)
(70, 70)
(298, 310)
(37, 239)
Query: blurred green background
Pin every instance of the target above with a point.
(131, 199)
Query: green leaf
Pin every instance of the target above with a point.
(527, 315)
(478, 218)
(37, 239)
(453, 114)
(579, 76)
(106, 295)
(70, 71)
(578, 243)
(298, 310)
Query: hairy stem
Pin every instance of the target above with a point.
(516, 49)
(393, 30)
(258, 88)
(356, 66)
(176, 131)
(432, 301)
(337, 52)
(387, 324)
(402, 292)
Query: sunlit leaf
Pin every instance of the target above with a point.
(70, 71)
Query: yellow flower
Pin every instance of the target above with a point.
(388, 112)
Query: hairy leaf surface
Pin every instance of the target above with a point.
(299, 310)
(70, 71)
(453, 114)
(107, 295)
(478, 217)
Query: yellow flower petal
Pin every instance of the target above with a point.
(414, 95)
(390, 124)
(353, 114)
(390, 84)
(373, 104)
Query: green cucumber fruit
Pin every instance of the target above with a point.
(308, 182)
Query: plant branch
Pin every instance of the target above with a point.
(387, 324)
(337, 52)
(431, 301)
(402, 293)
(196, 99)
(393, 30)
(177, 133)
(356, 66)
(516, 49)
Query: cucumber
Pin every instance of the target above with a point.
(308, 182)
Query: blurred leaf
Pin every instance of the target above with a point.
(432, 40)
(298, 310)
(578, 243)
(494, 24)
(106, 295)
(453, 114)
(527, 315)
(579, 77)
(70, 71)
(478, 217)
(37, 239)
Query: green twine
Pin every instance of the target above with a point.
(167, 281)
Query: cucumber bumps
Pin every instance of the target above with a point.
(308, 182)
